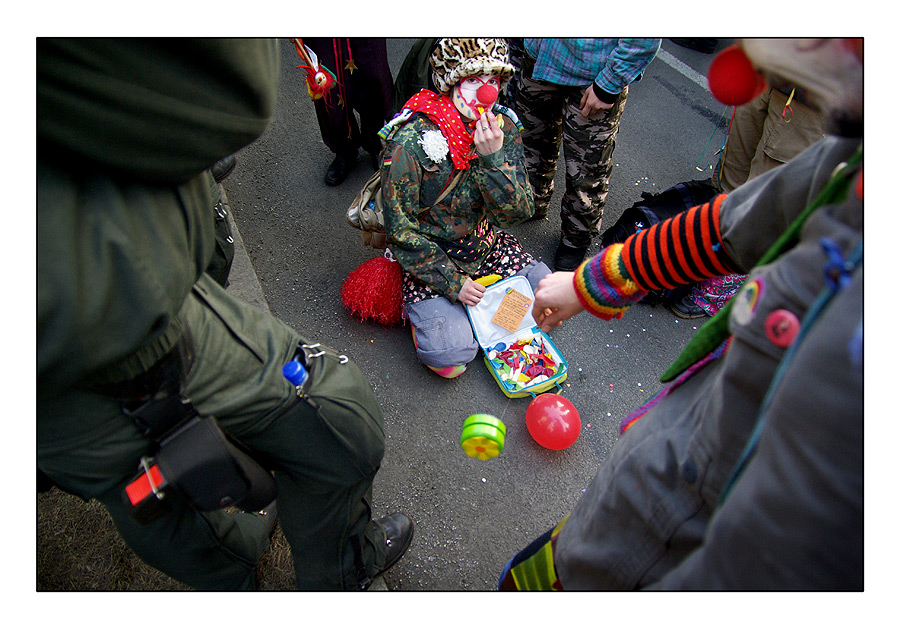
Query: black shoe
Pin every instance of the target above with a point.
(223, 168)
(686, 308)
(568, 258)
(339, 169)
(398, 532)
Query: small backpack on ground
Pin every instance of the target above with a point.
(366, 213)
(653, 209)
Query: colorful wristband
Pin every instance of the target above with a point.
(603, 284)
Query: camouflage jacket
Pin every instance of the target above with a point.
(445, 244)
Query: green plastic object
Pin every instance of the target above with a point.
(483, 436)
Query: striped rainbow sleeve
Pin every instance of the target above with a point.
(680, 250)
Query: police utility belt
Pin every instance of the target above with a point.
(193, 457)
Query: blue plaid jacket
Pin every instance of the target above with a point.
(609, 62)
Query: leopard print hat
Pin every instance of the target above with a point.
(455, 58)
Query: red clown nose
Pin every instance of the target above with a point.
(487, 94)
(732, 78)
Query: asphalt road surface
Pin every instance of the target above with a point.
(471, 516)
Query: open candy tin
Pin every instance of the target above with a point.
(520, 356)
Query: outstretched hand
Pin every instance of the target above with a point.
(555, 300)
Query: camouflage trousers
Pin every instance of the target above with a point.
(551, 116)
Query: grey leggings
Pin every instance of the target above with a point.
(443, 333)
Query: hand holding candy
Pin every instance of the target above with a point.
(471, 292)
(488, 135)
(555, 300)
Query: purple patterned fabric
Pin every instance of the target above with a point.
(713, 294)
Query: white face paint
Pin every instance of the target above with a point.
(475, 92)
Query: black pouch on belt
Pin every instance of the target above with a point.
(198, 461)
(195, 459)
(210, 472)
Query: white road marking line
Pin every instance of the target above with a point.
(682, 68)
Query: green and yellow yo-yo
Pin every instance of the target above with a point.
(483, 436)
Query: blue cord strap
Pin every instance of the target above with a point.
(837, 277)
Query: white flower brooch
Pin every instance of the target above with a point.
(435, 145)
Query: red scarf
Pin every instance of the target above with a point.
(441, 110)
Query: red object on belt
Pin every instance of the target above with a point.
(138, 490)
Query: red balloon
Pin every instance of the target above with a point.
(732, 78)
(553, 421)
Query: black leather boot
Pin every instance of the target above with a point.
(339, 169)
(398, 533)
(568, 258)
(223, 168)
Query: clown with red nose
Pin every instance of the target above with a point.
(475, 94)
(468, 74)
(473, 97)
(453, 180)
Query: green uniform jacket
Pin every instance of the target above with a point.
(495, 188)
(125, 224)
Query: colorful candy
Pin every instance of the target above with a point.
(524, 363)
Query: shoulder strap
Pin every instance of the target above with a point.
(450, 185)
(447, 189)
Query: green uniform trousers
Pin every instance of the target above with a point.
(324, 450)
